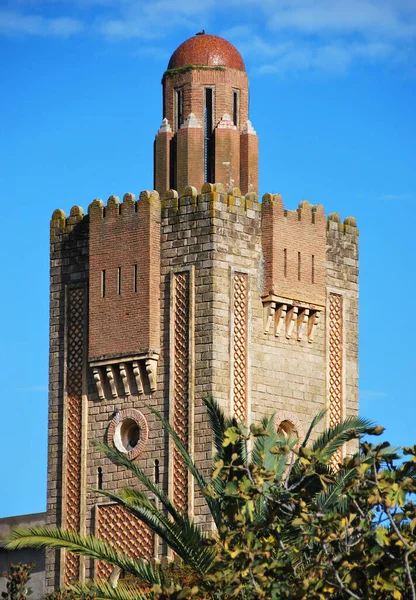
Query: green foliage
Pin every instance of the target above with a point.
(290, 522)
(17, 579)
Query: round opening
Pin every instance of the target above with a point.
(127, 435)
(287, 428)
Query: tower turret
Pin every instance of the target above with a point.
(205, 134)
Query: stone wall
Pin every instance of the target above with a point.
(222, 332)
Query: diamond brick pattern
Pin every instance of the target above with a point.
(75, 360)
(240, 299)
(124, 532)
(181, 386)
(335, 365)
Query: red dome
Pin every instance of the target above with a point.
(204, 49)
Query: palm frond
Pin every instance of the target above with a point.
(334, 495)
(218, 422)
(192, 468)
(182, 535)
(122, 460)
(317, 419)
(335, 437)
(103, 590)
(84, 545)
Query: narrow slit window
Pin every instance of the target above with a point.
(208, 136)
(299, 266)
(235, 106)
(157, 475)
(135, 278)
(119, 281)
(103, 283)
(100, 478)
(285, 262)
(179, 108)
(313, 268)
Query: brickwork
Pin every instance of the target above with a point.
(124, 532)
(69, 278)
(249, 161)
(227, 152)
(75, 367)
(182, 163)
(294, 246)
(190, 156)
(181, 385)
(240, 312)
(124, 271)
(342, 281)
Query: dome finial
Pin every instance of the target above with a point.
(201, 32)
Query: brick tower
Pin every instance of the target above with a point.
(159, 301)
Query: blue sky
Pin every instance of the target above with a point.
(333, 88)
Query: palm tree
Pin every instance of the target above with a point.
(272, 451)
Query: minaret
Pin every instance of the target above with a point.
(205, 135)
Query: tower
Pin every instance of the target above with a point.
(205, 134)
(158, 301)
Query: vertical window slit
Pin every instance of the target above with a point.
(313, 268)
(235, 107)
(103, 283)
(299, 266)
(119, 281)
(135, 278)
(179, 108)
(100, 478)
(285, 262)
(208, 135)
(157, 476)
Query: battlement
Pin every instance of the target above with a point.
(348, 226)
(294, 247)
(124, 275)
(213, 197)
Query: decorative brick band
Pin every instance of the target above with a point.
(180, 412)
(125, 532)
(128, 431)
(239, 345)
(335, 386)
(75, 365)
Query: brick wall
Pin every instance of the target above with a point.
(182, 163)
(294, 246)
(125, 244)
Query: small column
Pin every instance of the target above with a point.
(190, 154)
(227, 153)
(249, 160)
(162, 158)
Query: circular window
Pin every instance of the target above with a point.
(288, 424)
(287, 428)
(128, 431)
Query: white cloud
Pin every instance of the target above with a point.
(365, 17)
(12, 23)
(276, 36)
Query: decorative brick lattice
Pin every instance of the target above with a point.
(75, 361)
(181, 386)
(335, 366)
(240, 297)
(124, 532)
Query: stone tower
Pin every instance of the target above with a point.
(161, 300)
